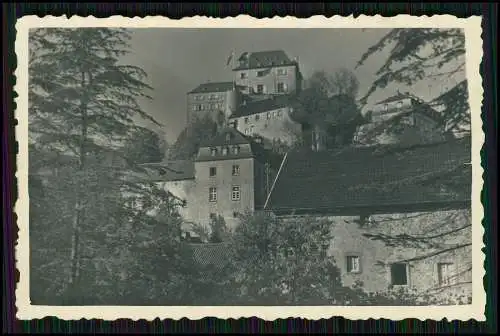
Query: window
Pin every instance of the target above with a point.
(353, 264)
(274, 114)
(236, 170)
(243, 75)
(445, 273)
(281, 72)
(257, 117)
(246, 120)
(260, 88)
(268, 115)
(261, 73)
(225, 151)
(236, 149)
(212, 216)
(228, 136)
(236, 214)
(212, 194)
(399, 276)
(247, 131)
(251, 130)
(213, 171)
(279, 113)
(386, 107)
(213, 151)
(235, 193)
(400, 104)
(281, 87)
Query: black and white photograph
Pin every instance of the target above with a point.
(218, 165)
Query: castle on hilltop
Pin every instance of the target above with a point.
(258, 99)
(234, 173)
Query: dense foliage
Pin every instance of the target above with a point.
(90, 240)
(328, 104)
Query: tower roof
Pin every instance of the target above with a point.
(213, 87)
(263, 59)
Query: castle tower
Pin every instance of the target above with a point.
(230, 177)
(217, 99)
(267, 73)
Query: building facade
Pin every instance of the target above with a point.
(267, 73)
(365, 193)
(262, 90)
(230, 176)
(400, 216)
(268, 118)
(402, 119)
(218, 100)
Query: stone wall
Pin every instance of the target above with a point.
(447, 240)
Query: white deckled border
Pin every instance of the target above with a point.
(474, 53)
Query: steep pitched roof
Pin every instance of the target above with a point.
(264, 59)
(376, 177)
(213, 87)
(260, 106)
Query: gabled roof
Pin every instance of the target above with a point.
(213, 87)
(235, 138)
(263, 59)
(378, 178)
(260, 106)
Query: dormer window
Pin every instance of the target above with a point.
(213, 151)
(228, 137)
(400, 104)
(236, 150)
(246, 120)
(386, 107)
(257, 117)
(225, 150)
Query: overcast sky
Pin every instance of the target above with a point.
(177, 60)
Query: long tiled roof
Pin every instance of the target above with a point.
(264, 59)
(374, 177)
(261, 106)
(213, 87)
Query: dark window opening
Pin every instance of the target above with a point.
(399, 276)
(213, 171)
